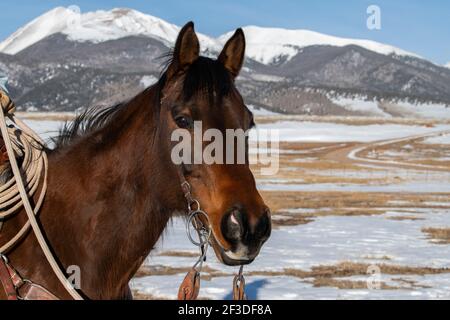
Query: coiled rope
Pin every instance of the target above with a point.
(24, 144)
(20, 141)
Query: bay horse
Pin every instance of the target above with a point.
(112, 187)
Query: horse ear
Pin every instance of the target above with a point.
(232, 55)
(187, 50)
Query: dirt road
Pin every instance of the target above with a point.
(355, 153)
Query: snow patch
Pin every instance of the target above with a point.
(368, 107)
(426, 110)
(308, 131)
(147, 81)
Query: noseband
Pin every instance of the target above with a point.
(190, 287)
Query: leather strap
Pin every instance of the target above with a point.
(16, 288)
(32, 291)
(7, 281)
(190, 286)
(239, 288)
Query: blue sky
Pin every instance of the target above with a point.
(419, 26)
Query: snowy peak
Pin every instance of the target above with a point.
(267, 45)
(98, 26)
(47, 24)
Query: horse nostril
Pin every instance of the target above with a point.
(238, 230)
(233, 226)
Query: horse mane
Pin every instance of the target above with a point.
(206, 77)
(88, 121)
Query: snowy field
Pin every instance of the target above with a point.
(380, 219)
(335, 132)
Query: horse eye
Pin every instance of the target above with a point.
(183, 122)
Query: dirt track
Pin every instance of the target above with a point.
(353, 153)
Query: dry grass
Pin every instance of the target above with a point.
(345, 203)
(328, 275)
(186, 254)
(51, 116)
(348, 269)
(411, 283)
(146, 271)
(348, 284)
(370, 257)
(438, 235)
(290, 220)
(403, 218)
(145, 296)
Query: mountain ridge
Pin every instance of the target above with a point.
(60, 72)
(122, 22)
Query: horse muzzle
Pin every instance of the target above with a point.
(244, 235)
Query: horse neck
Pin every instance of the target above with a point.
(109, 200)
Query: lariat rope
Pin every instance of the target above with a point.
(19, 140)
(34, 163)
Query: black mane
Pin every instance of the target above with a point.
(88, 121)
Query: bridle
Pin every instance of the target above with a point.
(190, 287)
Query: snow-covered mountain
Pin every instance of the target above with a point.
(96, 27)
(269, 45)
(448, 65)
(265, 45)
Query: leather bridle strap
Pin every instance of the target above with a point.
(6, 281)
(17, 288)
